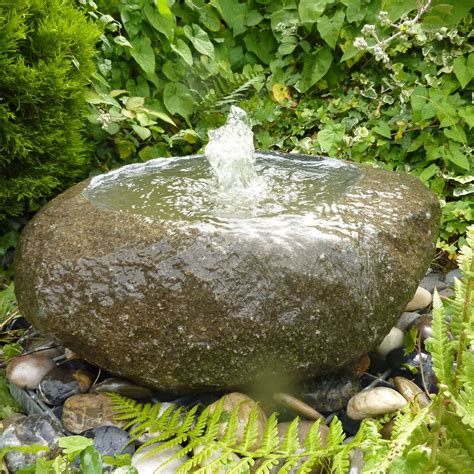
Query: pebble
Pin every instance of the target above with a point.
(399, 361)
(374, 402)
(361, 365)
(245, 404)
(86, 411)
(429, 379)
(391, 341)
(410, 391)
(433, 280)
(424, 326)
(124, 388)
(33, 429)
(450, 276)
(151, 464)
(215, 454)
(29, 370)
(34, 342)
(110, 440)
(297, 406)
(406, 319)
(331, 392)
(357, 461)
(63, 382)
(447, 293)
(9, 420)
(421, 300)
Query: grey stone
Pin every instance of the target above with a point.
(34, 429)
(450, 276)
(433, 280)
(187, 308)
(110, 440)
(406, 319)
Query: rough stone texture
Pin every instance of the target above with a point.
(183, 309)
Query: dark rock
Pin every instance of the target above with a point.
(110, 440)
(86, 411)
(33, 342)
(378, 364)
(450, 276)
(426, 377)
(10, 420)
(184, 307)
(124, 388)
(433, 280)
(63, 382)
(33, 429)
(331, 392)
(406, 319)
(424, 328)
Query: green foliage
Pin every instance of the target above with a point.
(47, 50)
(8, 406)
(167, 73)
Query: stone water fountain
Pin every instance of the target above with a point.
(287, 267)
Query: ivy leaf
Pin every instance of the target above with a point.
(91, 462)
(330, 138)
(74, 445)
(143, 53)
(182, 49)
(233, 12)
(454, 155)
(311, 10)
(383, 129)
(463, 69)
(455, 133)
(200, 39)
(329, 28)
(178, 100)
(315, 68)
(142, 132)
(160, 18)
(467, 113)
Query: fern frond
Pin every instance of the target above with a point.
(341, 461)
(335, 435)
(313, 441)
(440, 347)
(462, 434)
(464, 399)
(290, 443)
(250, 431)
(267, 466)
(455, 459)
(270, 437)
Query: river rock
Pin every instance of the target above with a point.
(86, 411)
(152, 464)
(391, 341)
(451, 275)
(411, 391)
(110, 440)
(124, 388)
(406, 319)
(421, 300)
(232, 460)
(194, 306)
(63, 382)
(374, 402)
(297, 406)
(433, 280)
(10, 420)
(331, 392)
(34, 429)
(29, 370)
(246, 405)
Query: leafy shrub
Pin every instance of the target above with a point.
(47, 50)
(167, 74)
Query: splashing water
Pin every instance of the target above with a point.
(231, 153)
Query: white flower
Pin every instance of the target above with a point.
(360, 43)
(368, 29)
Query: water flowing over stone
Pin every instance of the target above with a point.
(179, 292)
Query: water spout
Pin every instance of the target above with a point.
(231, 153)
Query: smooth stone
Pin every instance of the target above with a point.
(406, 319)
(10, 420)
(429, 380)
(424, 328)
(297, 406)
(446, 294)
(401, 362)
(34, 342)
(387, 429)
(332, 392)
(361, 365)
(433, 280)
(391, 341)
(451, 275)
(177, 307)
(110, 440)
(33, 429)
(410, 391)
(357, 461)
(374, 402)
(123, 387)
(151, 464)
(63, 382)
(421, 300)
(29, 370)
(246, 405)
(86, 411)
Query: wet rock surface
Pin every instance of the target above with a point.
(29, 370)
(146, 298)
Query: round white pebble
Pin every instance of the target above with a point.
(421, 300)
(392, 340)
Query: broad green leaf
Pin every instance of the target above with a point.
(262, 44)
(178, 100)
(311, 10)
(91, 462)
(467, 113)
(209, 18)
(233, 12)
(383, 129)
(330, 138)
(455, 133)
(315, 68)
(143, 53)
(455, 155)
(396, 8)
(428, 173)
(463, 69)
(182, 49)
(74, 445)
(200, 39)
(354, 11)
(329, 28)
(160, 18)
(135, 103)
(142, 132)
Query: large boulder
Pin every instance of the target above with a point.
(184, 308)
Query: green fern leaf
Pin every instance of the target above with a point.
(250, 431)
(270, 437)
(335, 435)
(313, 441)
(455, 460)
(291, 443)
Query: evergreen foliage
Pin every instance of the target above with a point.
(47, 50)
